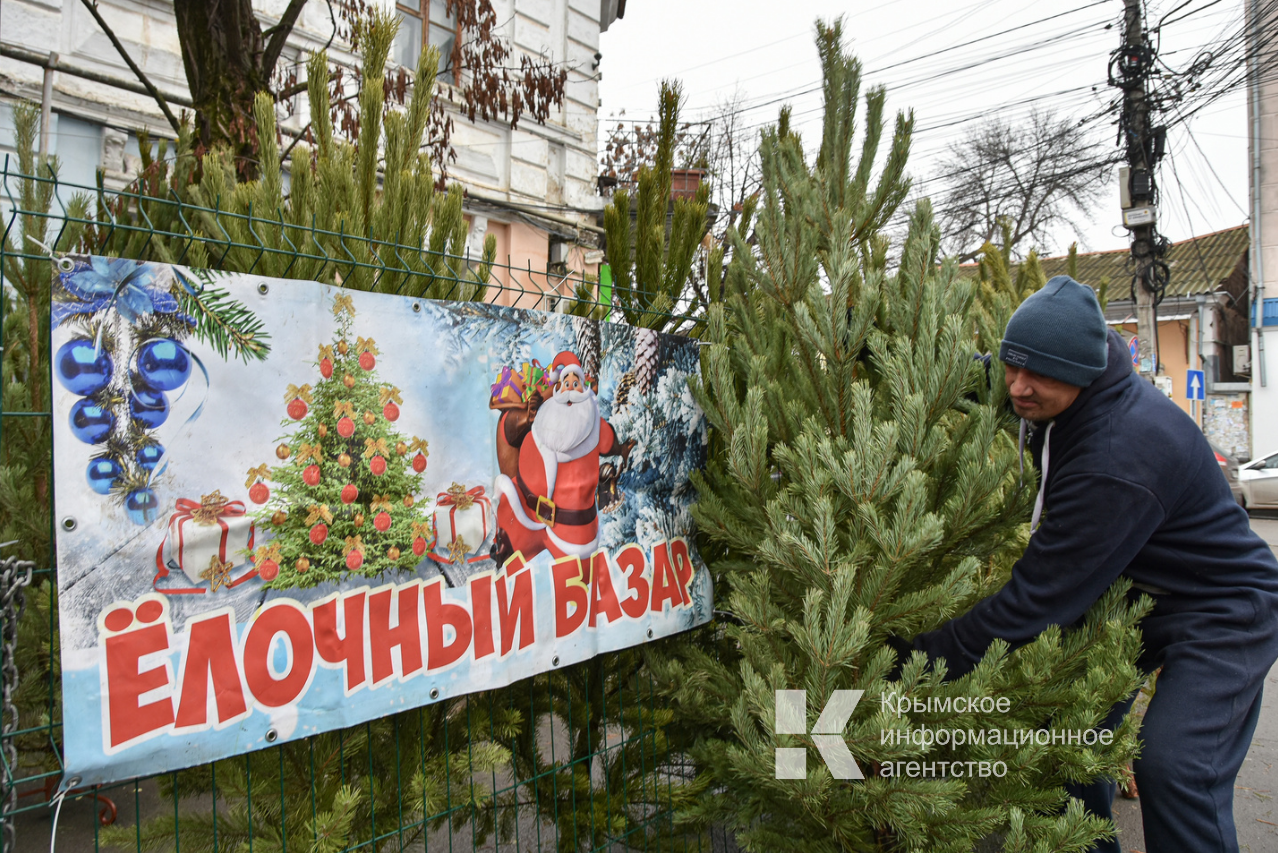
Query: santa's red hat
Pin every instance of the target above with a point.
(563, 363)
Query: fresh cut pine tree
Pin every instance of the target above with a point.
(863, 482)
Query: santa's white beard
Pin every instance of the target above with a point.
(561, 427)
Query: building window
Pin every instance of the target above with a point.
(424, 22)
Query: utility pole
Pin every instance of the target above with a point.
(1129, 69)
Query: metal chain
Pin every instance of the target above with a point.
(15, 574)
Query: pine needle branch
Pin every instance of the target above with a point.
(222, 322)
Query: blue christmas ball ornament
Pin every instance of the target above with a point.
(149, 406)
(149, 456)
(103, 473)
(80, 370)
(90, 422)
(164, 364)
(142, 506)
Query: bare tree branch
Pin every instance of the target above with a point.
(298, 88)
(1037, 175)
(279, 36)
(92, 6)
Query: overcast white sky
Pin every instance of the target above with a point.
(766, 51)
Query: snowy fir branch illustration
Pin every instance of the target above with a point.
(126, 358)
(342, 498)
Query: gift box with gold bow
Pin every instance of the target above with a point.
(461, 524)
(208, 541)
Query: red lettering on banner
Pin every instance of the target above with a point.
(665, 583)
(348, 648)
(631, 560)
(126, 683)
(287, 619)
(210, 653)
(406, 634)
(439, 614)
(481, 606)
(515, 606)
(569, 588)
(683, 566)
(603, 596)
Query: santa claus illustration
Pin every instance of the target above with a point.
(548, 453)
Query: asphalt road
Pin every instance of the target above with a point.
(1255, 812)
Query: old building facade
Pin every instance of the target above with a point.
(532, 188)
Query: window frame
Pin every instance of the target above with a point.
(421, 11)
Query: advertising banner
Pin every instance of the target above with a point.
(285, 507)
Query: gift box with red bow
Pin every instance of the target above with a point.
(461, 522)
(207, 541)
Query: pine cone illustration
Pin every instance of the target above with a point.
(647, 352)
(622, 394)
(587, 332)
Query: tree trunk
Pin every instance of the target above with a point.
(222, 49)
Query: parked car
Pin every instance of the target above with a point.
(1229, 467)
(1259, 480)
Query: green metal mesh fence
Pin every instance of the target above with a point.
(585, 760)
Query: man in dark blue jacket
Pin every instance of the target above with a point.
(1130, 487)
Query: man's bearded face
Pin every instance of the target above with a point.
(566, 419)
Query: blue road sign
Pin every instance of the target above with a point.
(1194, 384)
(1133, 346)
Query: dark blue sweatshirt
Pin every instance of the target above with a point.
(1132, 489)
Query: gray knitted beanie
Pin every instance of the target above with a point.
(1059, 332)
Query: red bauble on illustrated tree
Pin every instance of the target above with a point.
(266, 559)
(354, 552)
(297, 398)
(319, 533)
(419, 546)
(390, 398)
(346, 427)
(377, 465)
(419, 463)
(367, 350)
(259, 493)
(326, 368)
(382, 521)
(349, 493)
(311, 476)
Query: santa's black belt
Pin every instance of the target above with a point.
(545, 511)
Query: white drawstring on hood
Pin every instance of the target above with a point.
(1038, 499)
(1042, 483)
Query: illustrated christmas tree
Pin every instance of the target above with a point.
(342, 500)
(863, 481)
